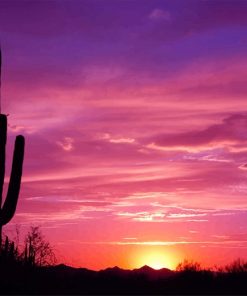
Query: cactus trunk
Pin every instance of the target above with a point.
(9, 206)
(3, 138)
(7, 209)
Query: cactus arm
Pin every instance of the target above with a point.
(3, 139)
(10, 203)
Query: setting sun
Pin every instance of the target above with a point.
(156, 259)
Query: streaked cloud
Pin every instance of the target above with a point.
(160, 14)
(135, 123)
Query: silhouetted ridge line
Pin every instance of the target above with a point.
(145, 268)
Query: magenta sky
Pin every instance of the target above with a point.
(135, 118)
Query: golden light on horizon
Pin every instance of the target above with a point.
(155, 258)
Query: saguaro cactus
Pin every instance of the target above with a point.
(9, 206)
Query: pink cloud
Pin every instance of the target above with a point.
(114, 145)
(160, 14)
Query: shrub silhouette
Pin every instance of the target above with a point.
(9, 253)
(189, 266)
(237, 266)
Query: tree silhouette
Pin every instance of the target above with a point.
(38, 251)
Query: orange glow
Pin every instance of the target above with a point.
(156, 258)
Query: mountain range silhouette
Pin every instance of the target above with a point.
(115, 271)
(67, 280)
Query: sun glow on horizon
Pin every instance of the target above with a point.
(156, 259)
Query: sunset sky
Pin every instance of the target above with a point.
(135, 119)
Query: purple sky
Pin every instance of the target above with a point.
(135, 117)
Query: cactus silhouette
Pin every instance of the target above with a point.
(7, 209)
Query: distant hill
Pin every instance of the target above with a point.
(153, 273)
(114, 270)
(111, 272)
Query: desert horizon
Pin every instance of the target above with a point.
(126, 134)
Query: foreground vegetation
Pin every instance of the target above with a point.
(32, 270)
